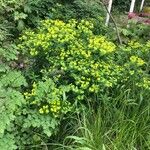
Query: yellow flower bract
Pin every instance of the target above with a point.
(136, 60)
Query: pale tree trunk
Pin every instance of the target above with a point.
(142, 3)
(108, 13)
(132, 6)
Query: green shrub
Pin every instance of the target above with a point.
(81, 9)
(77, 9)
(72, 55)
(67, 64)
(137, 31)
(27, 118)
(16, 15)
(11, 98)
(40, 117)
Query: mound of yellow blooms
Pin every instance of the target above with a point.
(76, 56)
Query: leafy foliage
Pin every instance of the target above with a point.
(11, 98)
(68, 48)
(78, 9)
(74, 56)
(15, 15)
(137, 31)
(62, 65)
(41, 110)
(81, 9)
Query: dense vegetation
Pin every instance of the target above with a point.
(65, 80)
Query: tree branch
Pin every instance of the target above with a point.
(116, 27)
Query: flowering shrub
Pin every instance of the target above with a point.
(134, 58)
(47, 99)
(72, 55)
(23, 116)
(40, 111)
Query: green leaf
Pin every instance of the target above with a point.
(18, 16)
(13, 79)
(20, 25)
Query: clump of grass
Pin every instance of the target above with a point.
(121, 122)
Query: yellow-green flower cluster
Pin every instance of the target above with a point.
(57, 32)
(55, 106)
(85, 27)
(52, 31)
(145, 84)
(46, 98)
(136, 60)
(32, 93)
(60, 31)
(100, 44)
(146, 47)
(44, 109)
(134, 44)
(40, 98)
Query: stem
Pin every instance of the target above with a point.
(116, 27)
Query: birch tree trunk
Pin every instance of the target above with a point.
(132, 6)
(109, 11)
(142, 3)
